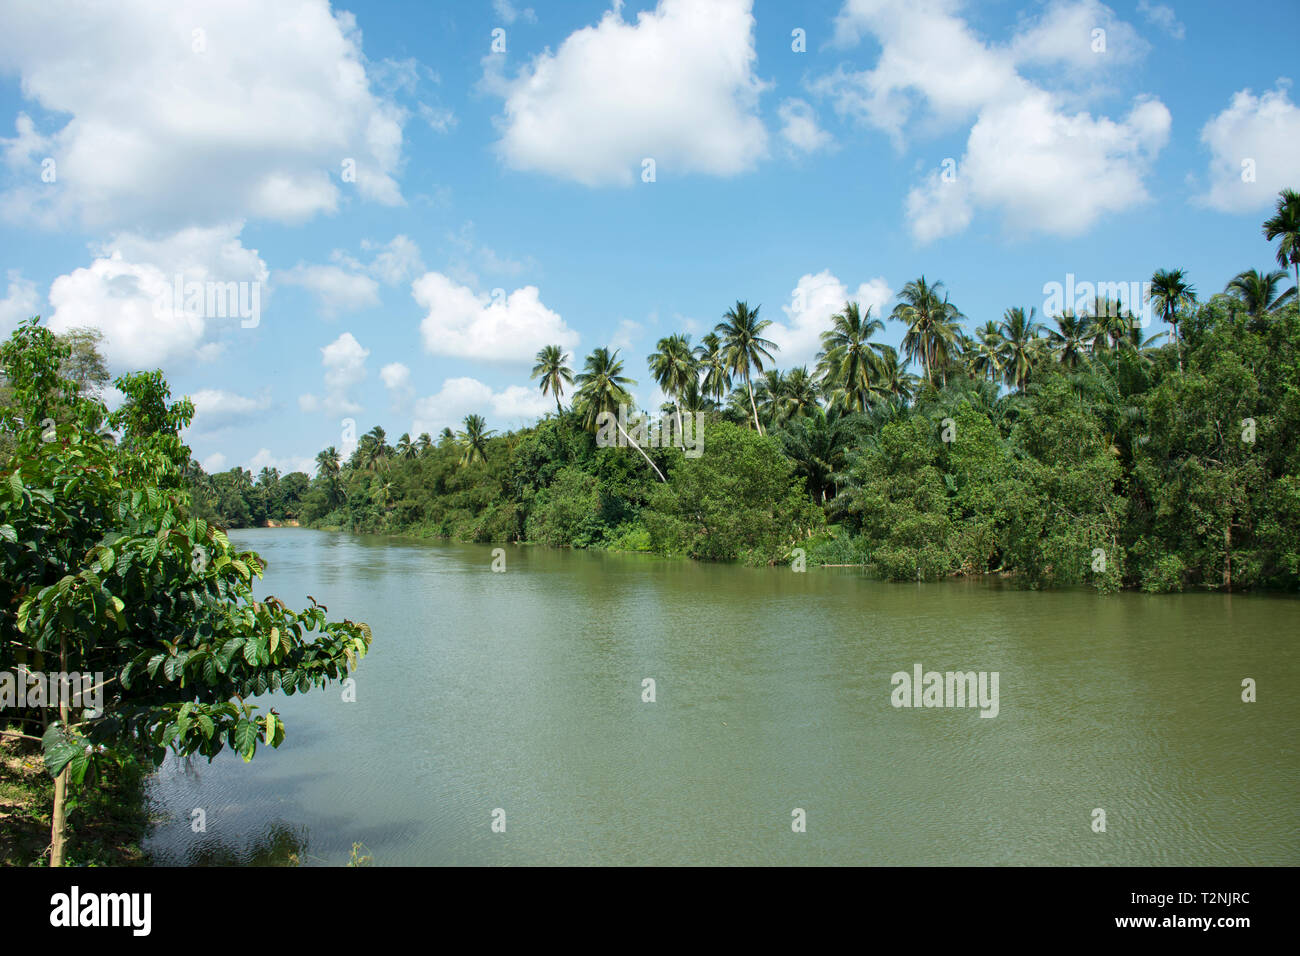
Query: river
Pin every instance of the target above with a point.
(522, 691)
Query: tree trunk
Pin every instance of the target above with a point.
(681, 437)
(59, 818)
(1227, 554)
(750, 385)
(643, 454)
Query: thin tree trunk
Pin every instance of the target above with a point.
(643, 454)
(681, 437)
(750, 385)
(59, 818)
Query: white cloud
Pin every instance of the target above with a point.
(799, 127)
(512, 407)
(215, 111)
(1264, 130)
(214, 463)
(396, 376)
(814, 299)
(344, 361)
(216, 408)
(1045, 167)
(127, 293)
(678, 86)
(20, 303)
(509, 13)
(1162, 16)
(336, 290)
(285, 465)
(397, 260)
(461, 323)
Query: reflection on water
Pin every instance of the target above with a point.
(522, 691)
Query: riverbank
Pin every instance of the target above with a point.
(107, 825)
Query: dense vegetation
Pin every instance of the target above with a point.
(1076, 451)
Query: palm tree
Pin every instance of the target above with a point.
(1284, 224)
(602, 388)
(553, 369)
(405, 447)
(800, 394)
(744, 346)
(819, 445)
(770, 392)
(849, 360)
(423, 444)
(473, 440)
(673, 366)
(1257, 291)
(327, 462)
(710, 360)
(1070, 338)
(895, 381)
(1020, 346)
(1170, 294)
(986, 351)
(932, 324)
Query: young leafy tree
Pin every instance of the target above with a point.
(103, 571)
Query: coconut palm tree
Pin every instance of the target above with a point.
(818, 445)
(553, 369)
(932, 324)
(327, 462)
(673, 365)
(1020, 346)
(406, 449)
(800, 394)
(744, 347)
(711, 361)
(423, 444)
(1171, 294)
(1257, 291)
(473, 440)
(1069, 339)
(986, 350)
(849, 360)
(770, 392)
(1284, 225)
(602, 388)
(895, 381)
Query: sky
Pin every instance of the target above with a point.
(387, 209)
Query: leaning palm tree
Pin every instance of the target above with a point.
(1284, 225)
(602, 388)
(711, 360)
(1171, 294)
(553, 369)
(1020, 346)
(473, 440)
(1257, 291)
(673, 366)
(849, 360)
(744, 346)
(932, 324)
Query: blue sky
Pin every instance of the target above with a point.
(499, 201)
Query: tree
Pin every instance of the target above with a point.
(744, 347)
(710, 358)
(553, 370)
(1284, 226)
(602, 388)
(473, 440)
(1257, 291)
(1171, 294)
(1069, 339)
(849, 360)
(104, 571)
(406, 449)
(673, 366)
(1020, 343)
(932, 324)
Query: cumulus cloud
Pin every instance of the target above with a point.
(677, 86)
(127, 292)
(344, 361)
(496, 327)
(238, 109)
(214, 463)
(1162, 16)
(814, 299)
(21, 302)
(799, 127)
(511, 407)
(215, 408)
(1044, 166)
(289, 463)
(1254, 149)
(336, 290)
